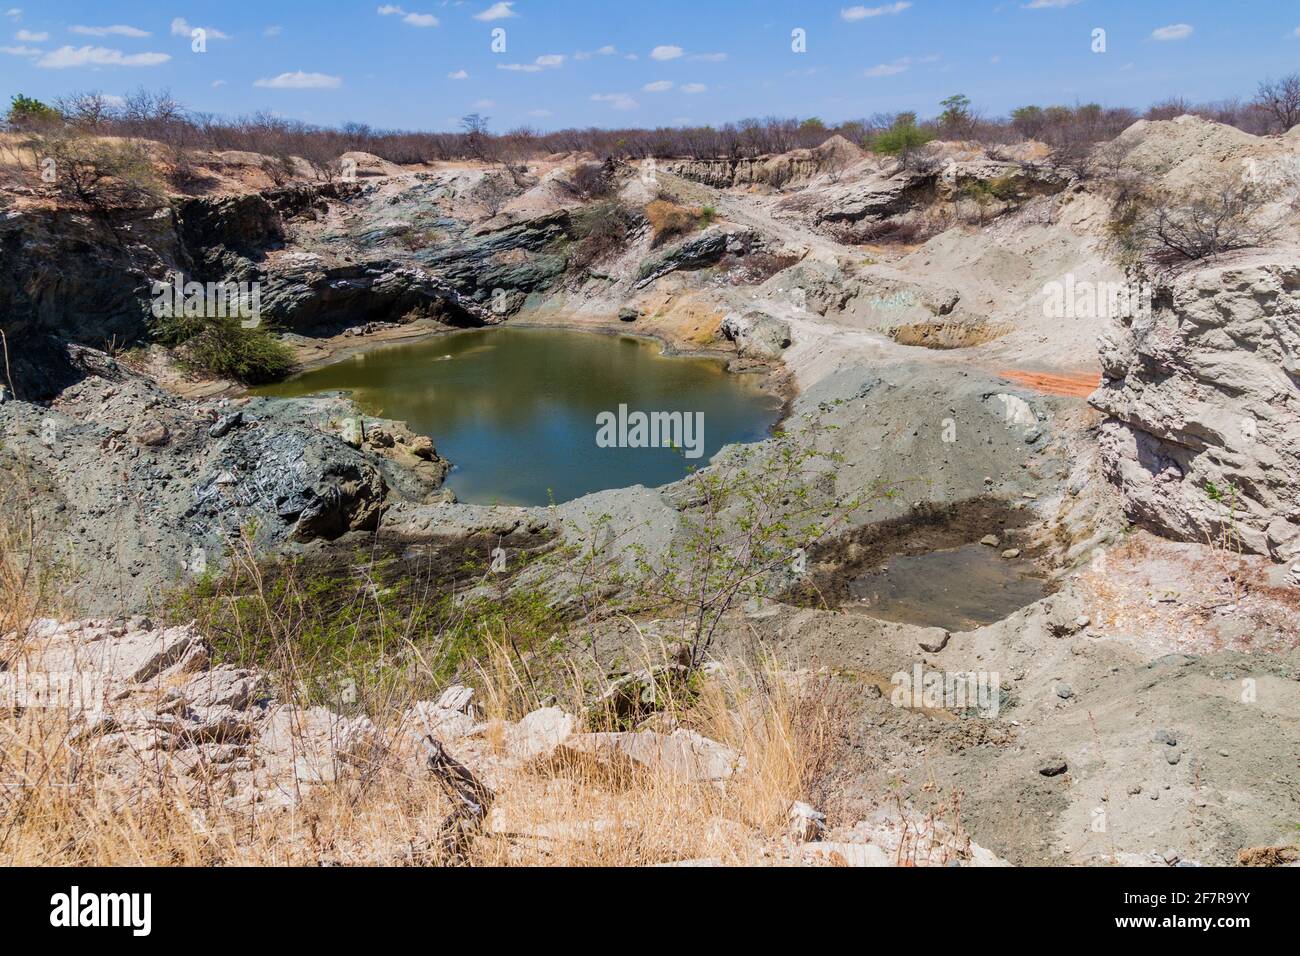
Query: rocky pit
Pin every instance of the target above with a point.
(1148, 652)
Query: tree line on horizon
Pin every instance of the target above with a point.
(158, 116)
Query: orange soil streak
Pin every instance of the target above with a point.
(1079, 385)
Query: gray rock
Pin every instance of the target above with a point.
(1064, 691)
(757, 334)
(225, 423)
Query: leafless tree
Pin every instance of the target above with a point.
(1207, 224)
(1281, 98)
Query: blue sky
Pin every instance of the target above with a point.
(420, 64)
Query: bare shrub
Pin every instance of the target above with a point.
(1281, 99)
(601, 231)
(1194, 226)
(592, 180)
(96, 174)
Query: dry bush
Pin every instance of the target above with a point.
(592, 180)
(91, 172)
(1201, 224)
(601, 230)
(669, 220)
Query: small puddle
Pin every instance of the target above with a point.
(956, 589)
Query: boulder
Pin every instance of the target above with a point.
(682, 753)
(757, 335)
(539, 734)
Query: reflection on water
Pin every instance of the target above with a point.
(515, 409)
(959, 589)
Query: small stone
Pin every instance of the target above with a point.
(1064, 691)
(1165, 737)
(1011, 553)
(153, 437)
(1053, 766)
(628, 314)
(1224, 753)
(1171, 857)
(225, 423)
(990, 539)
(1173, 756)
(1134, 790)
(806, 823)
(1155, 794)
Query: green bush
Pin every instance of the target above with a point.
(24, 112)
(902, 137)
(223, 347)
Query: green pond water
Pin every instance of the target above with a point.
(515, 410)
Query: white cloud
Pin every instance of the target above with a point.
(1050, 4)
(658, 86)
(889, 69)
(619, 101)
(182, 28)
(861, 13)
(14, 13)
(458, 75)
(708, 57)
(610, 51)
(541, 114)
(273, 31)
(666, 52)
(218, 83)
(498, 11)
(117, 29)
(1175, 31)
(693, 87)
(68, 56)
(548, 61)
(20, 50)
(27, 36)
(631, 56)
(484, 104)
(411, 19)
(603, 51)
(300, 81)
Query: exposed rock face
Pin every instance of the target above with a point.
(693, 252)
(1203, 403)
(128, 509)
(787, 169)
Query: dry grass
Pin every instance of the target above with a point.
(71, 802)
(669, 220)
(58, 806)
